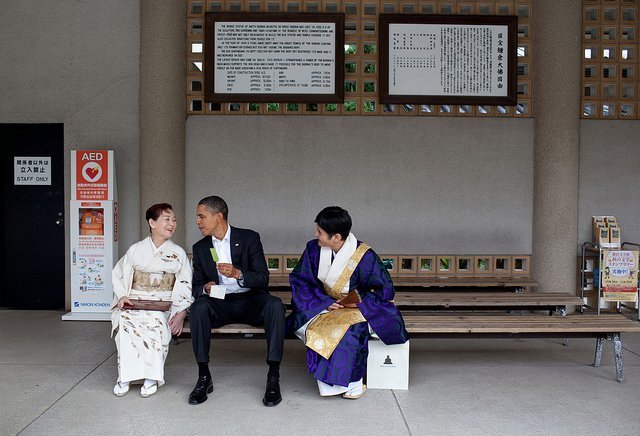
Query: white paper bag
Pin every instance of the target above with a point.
(388, 366)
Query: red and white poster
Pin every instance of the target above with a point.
(92, 177)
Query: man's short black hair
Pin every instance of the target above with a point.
(216, 204)
(334, 219)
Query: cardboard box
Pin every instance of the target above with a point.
(388, 365)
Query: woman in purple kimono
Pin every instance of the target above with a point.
(341, 294)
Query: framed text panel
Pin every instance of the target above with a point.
(274, 57)
(448, 59)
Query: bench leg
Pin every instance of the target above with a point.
(617, 349)
(598, 357)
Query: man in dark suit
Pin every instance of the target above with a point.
(230, 279)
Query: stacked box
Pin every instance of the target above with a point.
(606, 231)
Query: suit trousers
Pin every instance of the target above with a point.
(251, 307)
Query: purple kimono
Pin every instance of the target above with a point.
(348, 361)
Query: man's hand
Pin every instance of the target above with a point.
(335, 306)
(176, 323)
(207, 287)
(228, 270)
(122, 301)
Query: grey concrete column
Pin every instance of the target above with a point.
(162, 109)
(556, 65)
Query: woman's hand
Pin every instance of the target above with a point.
(122, 301)
(176, 322)
(335, 306)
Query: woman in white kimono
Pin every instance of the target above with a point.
(152, 269)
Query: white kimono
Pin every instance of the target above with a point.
(143, 336)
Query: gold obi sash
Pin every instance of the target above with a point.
(326, 330)
(144, 282)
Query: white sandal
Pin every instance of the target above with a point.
(148, 389)
(348, 396)
(120, 389)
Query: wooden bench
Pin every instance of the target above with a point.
(556, 302)
(600, 327)
(518, 284)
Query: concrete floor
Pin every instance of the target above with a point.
(56, 378)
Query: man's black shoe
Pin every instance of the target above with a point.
(272, 395)
(204, 386)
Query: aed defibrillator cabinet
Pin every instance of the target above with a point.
(94, 234)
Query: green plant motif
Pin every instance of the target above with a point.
(331, 107)
(254, 107)
(350, 106)
(292, 107)
(312, 107)
(292, 262)
(425, 265)
(350, 49)
(369, 67)
(369, 106)
(350, 86)
(273, 107)
(482, 265)
(369, 49)
(445, 264)
(369, 86)
(350, 67)
(273, 263)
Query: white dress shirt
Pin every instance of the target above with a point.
(223, 248)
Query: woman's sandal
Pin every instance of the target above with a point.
(120, 389)
(148, 391)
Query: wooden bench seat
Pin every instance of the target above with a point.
(516, 283)
(424, 325)
(417, 299)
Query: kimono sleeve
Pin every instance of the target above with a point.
(377, 304)
(307, 296)
(119, 275)
(181, 295)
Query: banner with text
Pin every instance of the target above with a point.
(619, 275)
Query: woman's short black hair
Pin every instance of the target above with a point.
(334, 219)
(154, 212)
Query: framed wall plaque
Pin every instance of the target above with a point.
(274, 57)
(448, 59)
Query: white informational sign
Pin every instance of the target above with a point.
(448, 59)
(29, 170)
(274, 58)
(93, 213)
(92, 229)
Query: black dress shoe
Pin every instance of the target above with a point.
(272, 395)
(204, 386)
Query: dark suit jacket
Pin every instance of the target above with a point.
(247, 255)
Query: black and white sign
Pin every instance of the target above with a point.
(461, 60)
(273, 57)
(29, 170)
